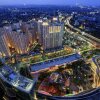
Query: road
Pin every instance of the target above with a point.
(92, 40)
(97, 63)
(84, 35)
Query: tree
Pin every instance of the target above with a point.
(1, 64)
(24, 71)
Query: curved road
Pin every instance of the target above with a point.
(84, 35)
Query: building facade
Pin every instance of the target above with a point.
(50, 34)
(17, 37)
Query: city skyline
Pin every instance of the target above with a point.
(51, 2)
(49, 51)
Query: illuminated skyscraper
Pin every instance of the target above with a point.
(20, 41)
(50, 34)
(17, 39)
(19, 36)
(4, 49)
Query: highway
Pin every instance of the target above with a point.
(84, 35)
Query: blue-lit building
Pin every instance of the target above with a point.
(15, 85)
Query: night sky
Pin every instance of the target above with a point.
(51, 2)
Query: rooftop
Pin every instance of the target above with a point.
(56, 61)
(16, 80)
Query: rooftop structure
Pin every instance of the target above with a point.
(20, 82)
(54, 62)
(16, 80)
